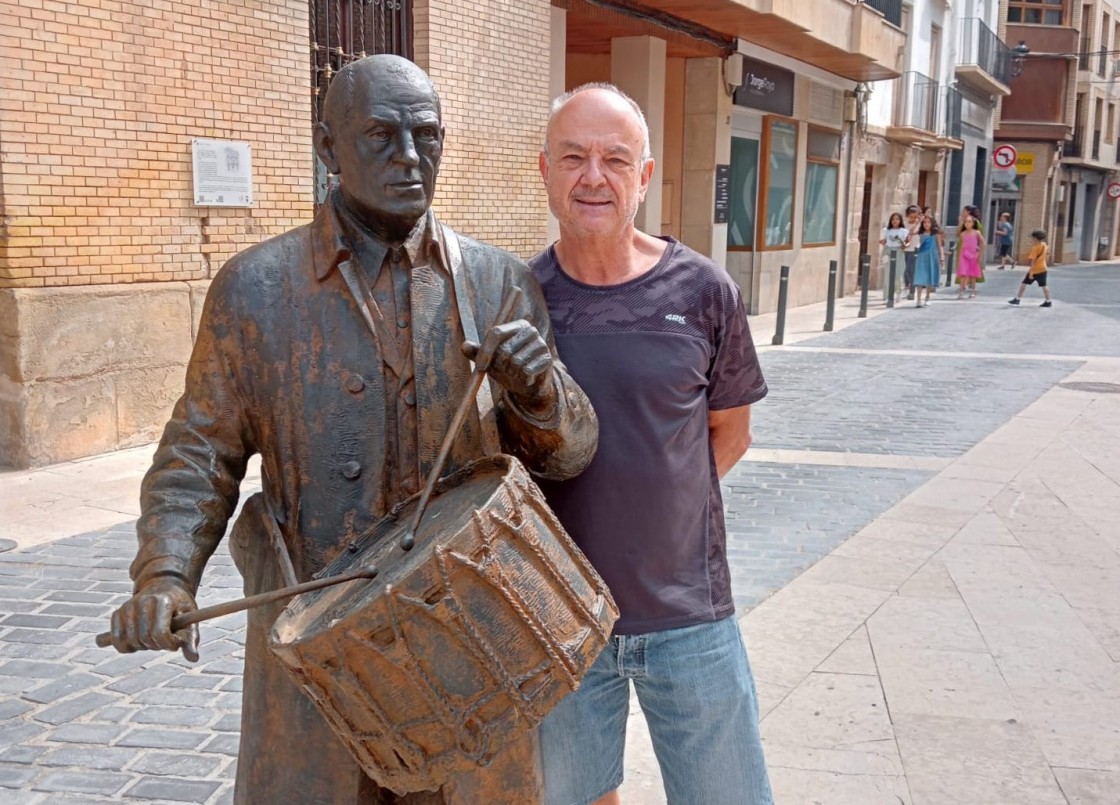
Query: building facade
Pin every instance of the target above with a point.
(928, 136)
(107, 243)
(1062, 120)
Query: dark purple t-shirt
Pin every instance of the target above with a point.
(654, 355)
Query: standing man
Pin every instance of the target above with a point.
(657, 335)
(1006, 234)
(335, 351)
(910, 249)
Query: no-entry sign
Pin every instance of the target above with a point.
(1114, 190)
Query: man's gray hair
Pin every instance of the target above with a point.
(561, 100)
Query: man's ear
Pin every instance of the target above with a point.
(324, 147)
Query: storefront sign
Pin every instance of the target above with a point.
(766, 87)
(223, 173)
(723, 194)
(1025, 164)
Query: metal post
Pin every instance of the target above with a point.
(949, 263)
(783, 295)
(830, 311)
(864, 279)
(891, 281)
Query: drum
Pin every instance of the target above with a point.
(460, 644)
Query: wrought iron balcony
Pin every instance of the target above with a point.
(891, 9)
(917, 107)
(1075, 148)
(985, 59)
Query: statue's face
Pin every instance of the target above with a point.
(387, 147)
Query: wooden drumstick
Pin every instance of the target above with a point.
(481, 364)
(229, 607)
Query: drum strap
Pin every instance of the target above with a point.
(485, 400)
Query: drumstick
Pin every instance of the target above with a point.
(481, 364)
(229, 607)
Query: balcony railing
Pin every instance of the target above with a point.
(981, 46)
(917, 107)
(891, 9)
(1075, 148)
(951, 104)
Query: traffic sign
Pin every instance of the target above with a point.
(1114, 190)
(1025, 164)
(1005, 156)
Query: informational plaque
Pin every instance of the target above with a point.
(223, 173)
(723, 194)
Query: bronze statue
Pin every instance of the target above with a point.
(337, 352)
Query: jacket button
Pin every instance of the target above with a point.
(351, 470)
(410, 398)
(354, 384)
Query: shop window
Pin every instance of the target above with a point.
(822, 181)
(1036, 12)
(743, 194)
(779, 176)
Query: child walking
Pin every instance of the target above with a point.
(971, 249)
(927, 271)
(1036, 270)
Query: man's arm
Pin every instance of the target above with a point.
(729, 431)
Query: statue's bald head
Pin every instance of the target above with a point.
(380, 73)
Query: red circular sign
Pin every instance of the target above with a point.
(1005, 156)
(1114, 190)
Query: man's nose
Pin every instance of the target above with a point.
(406, 149)
(593, 173)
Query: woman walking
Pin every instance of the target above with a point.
(931, 256)
(971, 254)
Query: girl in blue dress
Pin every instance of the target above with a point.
(927, 271)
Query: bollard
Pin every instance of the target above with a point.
(830, 311)
(864, 279)
(949, 265)
(891, 281)
(783, 295)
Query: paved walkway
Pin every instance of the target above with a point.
(923, 541)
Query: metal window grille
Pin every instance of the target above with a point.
(343, 31)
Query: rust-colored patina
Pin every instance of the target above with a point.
(336, 352)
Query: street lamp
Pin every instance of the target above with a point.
(1018, 58)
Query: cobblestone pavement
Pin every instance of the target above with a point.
(79, 724)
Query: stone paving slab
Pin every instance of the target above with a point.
(894, 404)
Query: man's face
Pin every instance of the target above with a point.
(593, 168)
(387, 148)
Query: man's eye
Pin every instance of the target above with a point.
(428, 133)
(572, 159)
(379, 134)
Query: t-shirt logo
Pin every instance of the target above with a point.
(675, 317)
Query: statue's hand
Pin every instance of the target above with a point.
(144, 621)
(521, 362)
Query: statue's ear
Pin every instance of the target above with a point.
(324, 147)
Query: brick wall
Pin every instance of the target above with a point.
(99, 101)
(490, 62)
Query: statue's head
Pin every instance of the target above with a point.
(382, 134)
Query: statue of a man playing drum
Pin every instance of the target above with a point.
(339, 352)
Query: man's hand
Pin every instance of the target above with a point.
(520, 361)
(144, 621)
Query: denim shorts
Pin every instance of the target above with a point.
(698, 696)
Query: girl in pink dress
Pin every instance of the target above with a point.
(971, 244)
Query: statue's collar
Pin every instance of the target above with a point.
(330, 243)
